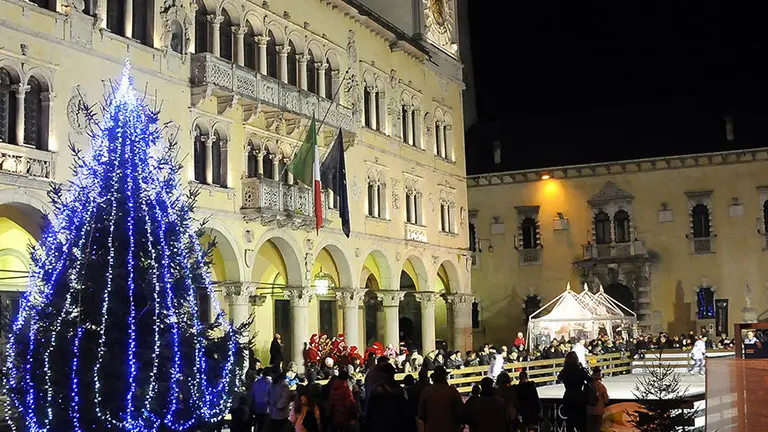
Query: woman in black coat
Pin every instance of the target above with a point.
(388, 408)
(574, 377)
(276, 352)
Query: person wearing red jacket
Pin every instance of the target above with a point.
(520, 341)
(342, 406)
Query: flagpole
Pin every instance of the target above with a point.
(336, 93)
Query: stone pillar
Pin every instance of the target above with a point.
(275, 167)
(259, 164)
(372, 106)
(461, 320)
(448, 141)
(283, 51)
(350, 300)
(21, 92)
(419, 216)
(128, 18)
(417, 133)
(452, 218)
(375, 198)
(411, 197)
(240, 296)
(288, 174)
(214, 21)
(382, 110)
(239, 33)
(408, 126)
(321, 67)
(303, 59)
(428, 335)
(209, 160)
(261, 41)
(390, 300)
(300, 298)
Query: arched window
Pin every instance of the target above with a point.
(282, 173)
(143, 21)
(372, 199)
(177, 37)
(271, 55)
(33, 110)
(201, 29)
(116, 16)
(602, 228)
(253, 161)
(293, 69)
(249, 48)
(91, 7)
(199, 155)
(216, 164)
(621, 226)
(311, 73)
(472, 237)
(7, 108)
(700, 214)
(528, 228)
(329, 90)
(225, 36)
(268, 172)
(403, 122)
(367, 114)
(414, 124)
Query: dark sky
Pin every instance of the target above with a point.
(611, 80)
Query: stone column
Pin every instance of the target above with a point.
(128, 18)
(209, 160)
(452, 218)
(240, 296)
(408, 126)
(419, 216)
(303, 59)
(214, 21)
(350, 300)
(261, 41)
(259, 164)
(21, 92)
(321, 67)
(375, 198)
(461, 320)
(428, 336)
(411, 197)
(372, 106)
(448, 141)
(275, 167)
(382, 111)
(239, 33)
(288, 174)
(444, 225)
(417, 133)
(283, 51)
(300, 298)
(390, 300)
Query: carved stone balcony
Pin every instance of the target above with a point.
(282, 205)
(614, 250)
(27, 161)
(214, 76)
(415, 233)
(529, 256)
(702, 245)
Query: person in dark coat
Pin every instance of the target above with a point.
(440, 406)
(483, 356)
(241, 416)
(276, 352)
(530, 405)
(486, 412)
(388, 408)
(414, 392)
(574, 377)
(508, 394)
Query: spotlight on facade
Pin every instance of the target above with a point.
(545, 176)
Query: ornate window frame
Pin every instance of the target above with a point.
(528, 256)
(703, 245)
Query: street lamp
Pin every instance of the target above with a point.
(323, 283)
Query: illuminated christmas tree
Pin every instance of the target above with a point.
(108, 336)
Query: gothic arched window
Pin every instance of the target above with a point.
(328, 81)
(7, 108)
(225, 36)
(201, 28)
(268, 171)
(33, 110)
(700, 215)
(528, 228)
(602, 228)
(249, 48)
(311, 73)
(200, 155)
(621, 226)
(271, 55)
(177, 37)
(116, 16)
(293, 67)
(217, 177)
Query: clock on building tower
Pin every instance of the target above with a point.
(439, 24)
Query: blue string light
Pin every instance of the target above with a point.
(130, 187)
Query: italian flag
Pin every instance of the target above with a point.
(305, 168)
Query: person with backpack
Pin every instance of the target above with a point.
(597, 399)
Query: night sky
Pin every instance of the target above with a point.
(569, 82)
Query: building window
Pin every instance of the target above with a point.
(7, 108)
(253, 161)
(496, 152)
(200, 155)
(271, 55)
(528, 228)
(225, 36)
(33, 109)
(177, 37)
(268, 165)
(700, 216)
(45, 4)
(201, 28)
(475, 315)
(413, 207)
(311, 73)
(327, 312)
(765, 217)
(404, 124)
(367, 114)
(116, 16)
(203, 306)
(472, 237)
(329, 90)
(142, 22)
(444, 225)
(293, 65)
(621, 226)
(602, 228)
(91, 7)
(249, 48)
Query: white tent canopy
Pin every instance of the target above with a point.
(584, 315)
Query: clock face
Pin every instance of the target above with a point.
(438, 11)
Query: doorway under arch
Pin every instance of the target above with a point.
(409, 313)
(622, 294)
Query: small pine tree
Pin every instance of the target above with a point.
(662, 398)
(108, 336)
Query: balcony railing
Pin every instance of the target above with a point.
(702, 245)
(614, 250)
(416, 233)
(227, 78)
(280, 204)
(530, 256)
(26, 161)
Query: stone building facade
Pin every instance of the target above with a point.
(679, 240)
(238, 83)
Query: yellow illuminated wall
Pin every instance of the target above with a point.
(269, 266)
(14, 243)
